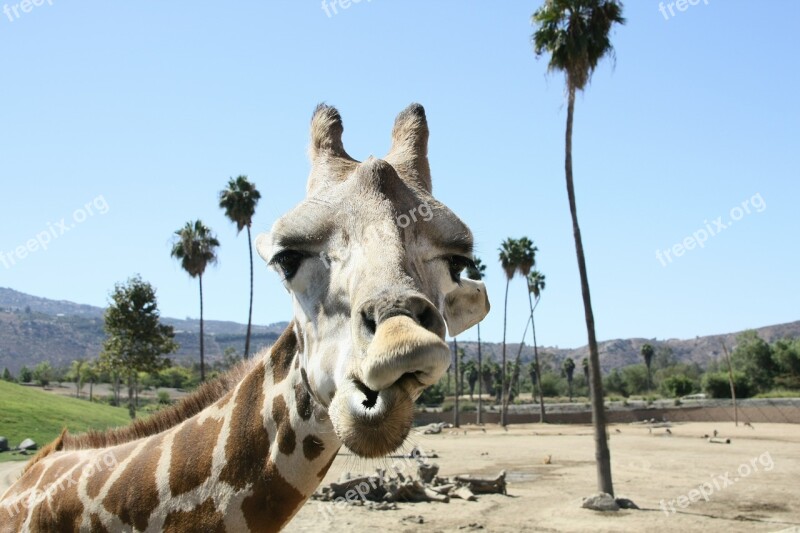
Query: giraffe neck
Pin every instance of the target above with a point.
(247, 462)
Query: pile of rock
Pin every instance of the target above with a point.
(425, 486)
(27, 445)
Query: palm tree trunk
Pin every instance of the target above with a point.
(250, 312)
(480, 379)
(503, 369)
(515, 375)
(91, 390)
(131, 407)
(602, 453)
(455, 406)
(536, 360)
(202, 345)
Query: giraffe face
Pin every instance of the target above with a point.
(373, 263)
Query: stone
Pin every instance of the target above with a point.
(27, 444)
(600, 502)
(3, 444)
(625, 503)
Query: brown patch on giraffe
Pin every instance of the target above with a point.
(97, 525)
(324, 469)
(192, 451)
(282, 354)
(268, 509)
(134, 495)
(298, 332)
(225, 400)
(102, 472)
(303, 399)
(63, 509)
(204, 517)
(247, 425)
(286, 438)
(312, 447)
(58, 467)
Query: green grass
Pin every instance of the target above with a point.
(27, 412)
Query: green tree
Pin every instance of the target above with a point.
(136, 340)
(786, 354)
(677, 386)
(536, 284)
(753, 356)
(471, 371)
(90, 375)
(195, 247)
(647, 353)
(534, 374)
(635, 377)
(569, 371)
(477, 271)
(509, 260)
(25, 375)
(575, 34)
(239, 201)
(7, 375)
(717, 385)
(76, 375)
(43, 373)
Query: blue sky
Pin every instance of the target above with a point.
(147, 108)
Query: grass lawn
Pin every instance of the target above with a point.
(27, 412)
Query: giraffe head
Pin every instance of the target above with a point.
(373, 263)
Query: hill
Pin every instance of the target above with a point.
(34, 329)
(27, 412)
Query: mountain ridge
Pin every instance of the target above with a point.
(33, 329)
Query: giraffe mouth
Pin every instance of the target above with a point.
(374, 423)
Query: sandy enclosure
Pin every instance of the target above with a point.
(648, 467)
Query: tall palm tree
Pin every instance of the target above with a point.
(456, 422)
(569, 370)
(536, 284)
(477, 271)
(195, 247)
(239, 201)
(648, 352)
(509, 260)
(575, 34)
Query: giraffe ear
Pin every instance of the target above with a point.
(329, 160)
(465, 306)
(409, 152)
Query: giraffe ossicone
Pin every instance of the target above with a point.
(372, 301)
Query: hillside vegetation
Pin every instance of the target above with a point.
(27, 412)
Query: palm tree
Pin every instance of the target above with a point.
(471, 371)
(477, 271)
(575, 33)
(585, 365)
(195, 247)
(569, 370)
(648, 352)
(533, 374)
(239, 202)
(509, 260)
(536, 284)
(458, 380)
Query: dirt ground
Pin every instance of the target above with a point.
(647, 468)
(753, 481)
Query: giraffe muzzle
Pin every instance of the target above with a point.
(372, 411)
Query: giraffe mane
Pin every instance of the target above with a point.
(162, 420)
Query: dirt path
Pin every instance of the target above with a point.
(9, 472)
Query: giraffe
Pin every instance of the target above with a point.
(373, 297)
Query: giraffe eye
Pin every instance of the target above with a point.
(288, 261)
(456, 264)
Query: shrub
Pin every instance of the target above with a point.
(717, 385)
(163, 397)
(433, 395)
(677, 386)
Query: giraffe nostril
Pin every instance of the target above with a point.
(369, 322)
(371, 395)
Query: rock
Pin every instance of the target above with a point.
(600, 502)
(625, 503)
(413, 519)
(3, 444)
(27, 444)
